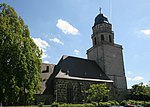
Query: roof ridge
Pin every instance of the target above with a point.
(66, 56)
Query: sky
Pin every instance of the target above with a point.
(64, 27)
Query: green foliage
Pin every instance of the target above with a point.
(134, 102)
(140, 92)
(20, 59)
(97, 92)
(123, 103)
(40, 104)
(90, 105)
(94, 103)
(77, 105)
(113, 103)
(55, 104)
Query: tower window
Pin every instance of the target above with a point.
(95, 41)
(102, 37)
(110, 39)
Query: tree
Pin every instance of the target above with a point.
(97, 92)
(20, 59)
(140, 92)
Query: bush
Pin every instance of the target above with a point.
(123, 103)
(147, 104)
(104, 103)
(40, 104)
(55, 104)
(90, 105)
(94, 103)
(133, 102)
(113, 103)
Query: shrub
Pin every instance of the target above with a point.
(147, 104)
(123, 103)
(55, 104)
(104, 103)
(94, 103)
(132, 102)
(40, 104)
(90, 105)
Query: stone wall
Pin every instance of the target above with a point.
(72, 91)
(45, 99)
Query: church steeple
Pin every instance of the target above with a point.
(107, 54)
(102, 30)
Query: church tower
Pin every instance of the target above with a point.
(108, 55)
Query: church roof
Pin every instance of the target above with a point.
(80, 69)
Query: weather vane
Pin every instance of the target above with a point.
(100, 10)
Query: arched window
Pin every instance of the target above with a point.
(102, 37)
(95, 42)
(110, 39)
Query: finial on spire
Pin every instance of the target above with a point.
(100, 10)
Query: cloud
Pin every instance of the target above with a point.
(66, 27)
(76, 52)
(44, 54)
(46, 62)
(56, 40)
(137, 78)
(146, 33)
(42, 45)
(129, 79)
(147, 84)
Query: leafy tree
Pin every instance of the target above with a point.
(140, 92)
(97, 92)
(20, 59)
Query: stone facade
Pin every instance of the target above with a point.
(45, 99)
(73, 91)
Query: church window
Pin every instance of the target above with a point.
(102, 37)
(95, 41)
(110, 39)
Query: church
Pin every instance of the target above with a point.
(67, 81)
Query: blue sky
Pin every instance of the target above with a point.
(64, 27)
